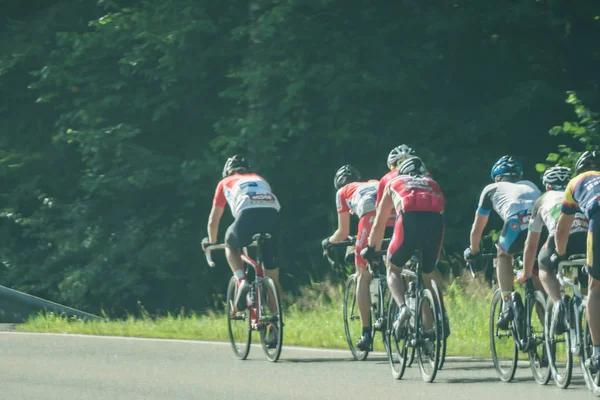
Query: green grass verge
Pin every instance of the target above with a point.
(314, 319)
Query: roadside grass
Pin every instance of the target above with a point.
(314, 319)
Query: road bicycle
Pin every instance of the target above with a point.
(263, 312)
(525, 332)
(562, 346)
(423, 332)
(378, 294)
(409, 283)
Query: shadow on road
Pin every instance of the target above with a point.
(315, 360)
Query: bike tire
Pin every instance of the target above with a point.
(352, 324)
(396, 346)
(443, 340)
(592, 380)
(238, 322)
(537, 339)
(561, 374)
(428, 363)
(272, 320)
(510, 355)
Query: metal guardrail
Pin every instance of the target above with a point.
(17, 306)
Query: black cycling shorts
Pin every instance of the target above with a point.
(575, 245)
(593, 245)
(414, 231)
(250, 222)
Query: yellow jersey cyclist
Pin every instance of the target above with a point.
(583, 192)
(513, 200)
(545, 213)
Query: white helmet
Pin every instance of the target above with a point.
(557, 177)
(397, 155)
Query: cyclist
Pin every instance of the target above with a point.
(419, 203)
(584, 191)
(513, 199)
(256, 210)
(358, 198)
(395, 158)
(546, 212)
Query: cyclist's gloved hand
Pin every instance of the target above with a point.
(205, 243)
(368, 253)
(325, 244)
(469, 255)
(556, 258)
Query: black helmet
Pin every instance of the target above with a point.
(345, 175)
(412, 166)
(589, 160)
(557, 177)
(235, 164)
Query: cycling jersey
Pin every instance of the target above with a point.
(582, 192)
(384, 181)
(509, 199)
(547, 210)
(415, 193)
(245, 191)
(357, 198)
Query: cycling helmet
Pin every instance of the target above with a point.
(397, 155)
(557, 177)
(345, 175)
(235, 164)
(412, 166)
(589, 160)
(506, 166)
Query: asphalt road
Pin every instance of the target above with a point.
(74, 367)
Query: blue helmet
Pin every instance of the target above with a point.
(507, 166)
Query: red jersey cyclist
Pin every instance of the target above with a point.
(358, 198)
(256, 210)
(419, 203)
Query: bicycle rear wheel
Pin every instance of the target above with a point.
(396, 346)
(442, 312)
(238, 324)
(558, 349)
(271, 319)
(352, 324)
(504, 349)
(428, 335)
(538, 356)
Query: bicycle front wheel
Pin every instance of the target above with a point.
(428, 335)
(504, 349)
(396, 343)
(352, 323)
(238, 324)
(538, 356)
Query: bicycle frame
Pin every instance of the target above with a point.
(255, 309)
(579, 300)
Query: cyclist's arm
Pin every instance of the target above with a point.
(568, 210)
(213, 223)
(381, 217)
(343, 229)
(479, 224)
(563, 228)
(531, 245)
(534, 232)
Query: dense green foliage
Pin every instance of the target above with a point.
(116, 117)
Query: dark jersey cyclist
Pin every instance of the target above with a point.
(583, 192)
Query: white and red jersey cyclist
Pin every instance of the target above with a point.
(244, 191)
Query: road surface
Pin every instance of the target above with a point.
(77, 367)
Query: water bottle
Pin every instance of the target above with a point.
(250, 297)
(374, 289)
